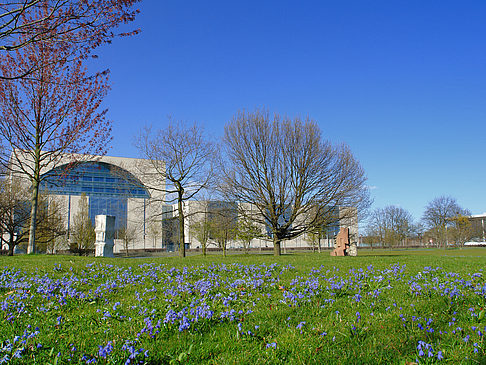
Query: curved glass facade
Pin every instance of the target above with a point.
(107, 186)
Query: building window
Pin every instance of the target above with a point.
(107, 186)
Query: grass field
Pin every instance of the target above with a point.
(392, 307)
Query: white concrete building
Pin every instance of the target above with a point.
(131, 190)
(115, 186)
(197, 212)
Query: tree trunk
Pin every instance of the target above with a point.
(33, 215)
(224, 249)
(182, 246)
(35, 195)
(11, 249)
(276, 246)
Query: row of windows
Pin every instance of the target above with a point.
(93, 178)
(107, 187)
(116, 206)
(88, 190)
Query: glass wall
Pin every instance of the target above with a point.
(107, 186)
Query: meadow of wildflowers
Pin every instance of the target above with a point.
(306, 308)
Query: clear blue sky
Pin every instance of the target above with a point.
(403, 83)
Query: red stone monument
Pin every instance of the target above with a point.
(342, 243)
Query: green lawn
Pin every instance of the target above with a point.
(424, 306)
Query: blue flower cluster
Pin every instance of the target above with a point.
(168, 301)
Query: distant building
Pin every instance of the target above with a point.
(478, 227)
(122, 187)
(199, 211)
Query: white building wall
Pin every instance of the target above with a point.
(136, 219)
(194, 212)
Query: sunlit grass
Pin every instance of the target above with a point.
(423, 306)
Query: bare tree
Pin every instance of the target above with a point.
(155, 230)
(85, 24)
(461, 230)
(200, 229)
(439, 215)
(83, 234)
(14, 214)
(369, 238)
(128, 235)
(184, 163)
(15, 217)
(223, 217)
(392, 225)
(246, 231)
(292, 177)
(50, 227)
(314, 237)
(52, 113)
(328, 224)
(418, 231)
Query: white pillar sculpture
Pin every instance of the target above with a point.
(105, 235)
(353, 249)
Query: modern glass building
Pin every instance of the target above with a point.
(108, 188)
(116, 186)
(131, 190)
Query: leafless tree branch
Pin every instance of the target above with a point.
(292, 177)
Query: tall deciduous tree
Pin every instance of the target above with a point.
(439, 216)
(184, 163)
(84, 24)
(53, 112)
(288, 173)
(392, 225)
